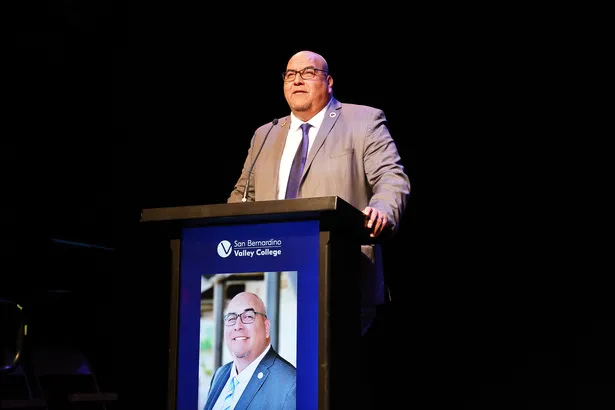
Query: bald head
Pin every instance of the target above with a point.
(248, 299)
(312, 57)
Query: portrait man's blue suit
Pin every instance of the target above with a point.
(275, 389)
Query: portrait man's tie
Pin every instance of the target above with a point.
(296, 170)
(228, 399)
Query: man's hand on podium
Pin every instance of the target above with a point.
(376, 221)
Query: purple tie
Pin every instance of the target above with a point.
(296, 170)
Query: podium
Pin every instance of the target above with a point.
(304, 256)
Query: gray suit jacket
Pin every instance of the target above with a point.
(274, 390)
(353, 157)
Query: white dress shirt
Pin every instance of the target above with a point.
(295, 135)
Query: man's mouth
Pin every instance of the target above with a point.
(240, 338)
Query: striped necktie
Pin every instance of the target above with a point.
(228, 400)
(296, 170)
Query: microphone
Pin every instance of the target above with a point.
(245, 190)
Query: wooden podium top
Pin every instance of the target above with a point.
(310, 206)
(332, 211)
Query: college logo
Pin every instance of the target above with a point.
(250, 248)
(224, 249)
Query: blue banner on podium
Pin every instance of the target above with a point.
(241, 257)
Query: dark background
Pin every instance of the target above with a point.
(112, 108)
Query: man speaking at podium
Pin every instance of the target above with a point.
(329, 148)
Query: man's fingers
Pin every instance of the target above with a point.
(370, 215)
(376, 229)
(380, 224)
(375, 220)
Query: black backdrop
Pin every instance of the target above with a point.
(115, 107)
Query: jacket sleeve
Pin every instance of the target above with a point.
(384, 170)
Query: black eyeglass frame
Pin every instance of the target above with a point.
(240, 316)
(301, 72)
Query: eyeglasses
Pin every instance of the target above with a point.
(308, 73)
(246, 317)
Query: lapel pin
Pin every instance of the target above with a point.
(283, 124)
(332, 115)
(260, 375)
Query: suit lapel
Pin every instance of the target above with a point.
(329, 121)
(256, 381)
(277, 148)
(218, 386)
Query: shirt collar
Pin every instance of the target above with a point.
(246, 374)
(315, 121)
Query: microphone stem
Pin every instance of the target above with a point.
(247, 187)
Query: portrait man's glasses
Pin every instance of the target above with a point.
(308, 73)
(246, 317)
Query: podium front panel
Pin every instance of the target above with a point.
(280, 262)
